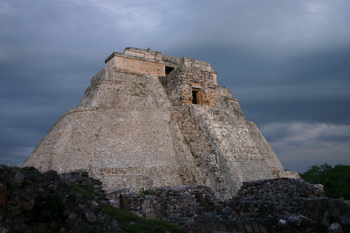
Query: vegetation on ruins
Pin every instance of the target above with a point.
(336, 180)
(144, 192)
(31, 201)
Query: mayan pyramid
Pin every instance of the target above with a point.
(151, 120)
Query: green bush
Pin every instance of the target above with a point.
(9, 186)
(130, 222)
(336, 181)
(53, 204)
(144, 192)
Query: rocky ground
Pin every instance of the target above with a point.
(34, 202)
(276, 205)
(285, 205)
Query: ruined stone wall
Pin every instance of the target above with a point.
(183, 81)
(172, 61)
(137, 66)
(153, 62)
(275, 205)
(143, 54)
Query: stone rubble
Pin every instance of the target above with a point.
(182, 205)
(34, 202)
(273, 205)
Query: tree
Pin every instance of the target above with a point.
(336, 181)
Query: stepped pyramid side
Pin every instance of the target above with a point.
(150, 120)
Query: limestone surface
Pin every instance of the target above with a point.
(149, 120)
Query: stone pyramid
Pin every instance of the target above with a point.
(151, 120)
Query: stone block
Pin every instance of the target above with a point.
(28, 205)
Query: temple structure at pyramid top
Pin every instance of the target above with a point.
(150, 120)
(140, 61)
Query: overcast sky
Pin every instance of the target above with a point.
(287, 62)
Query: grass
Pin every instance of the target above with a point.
(93, 230)
(188, 142)
(144, 192)
(7, 212)
(26, 171)
(142, 85)
(138, 89)
(9, 186)
(53, 204)
(72, 198)
(127, 220)
(87, 192)
(130, 222)
(88, 92)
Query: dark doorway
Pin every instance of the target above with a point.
(194, 97)
(168, 69)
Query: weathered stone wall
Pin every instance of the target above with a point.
(275, 205)
(183, 81)
(120, 133)
(137, 66)
(237, 154)
(206, 164)
(31, 201)
(152, 62)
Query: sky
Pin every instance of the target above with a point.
(287, 62)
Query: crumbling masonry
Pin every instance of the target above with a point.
(150, 120)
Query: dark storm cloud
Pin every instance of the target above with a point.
(286, 62)
(322, 110)
(304, 143)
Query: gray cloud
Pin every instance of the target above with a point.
(318, 143)
(286, 61)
